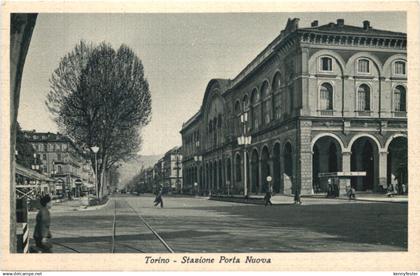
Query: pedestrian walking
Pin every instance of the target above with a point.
(42, 234)
(350, 191)
(158, 199)
(297, 196)
(267, 198)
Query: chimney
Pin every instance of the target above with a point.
(366, 25)
(314, 23)
(340, 22)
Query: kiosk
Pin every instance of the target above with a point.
(339, 182)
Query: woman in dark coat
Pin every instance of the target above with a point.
(42, 232)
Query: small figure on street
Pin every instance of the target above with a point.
(392, 187)
(267, 198)
(42, 232)
(350, 191)
(158, 199)
(297, 196)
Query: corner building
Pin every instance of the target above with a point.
(319, 99)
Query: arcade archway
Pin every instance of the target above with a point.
(255, 172)
(265, 168)
(364, 157)
(397, 171)
(288, 166)
(277, 184)
(326, 158)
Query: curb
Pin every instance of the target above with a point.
(357, 199)
(96, 207)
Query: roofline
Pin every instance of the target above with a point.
(61, 138)
(191, 120)
(361, 33)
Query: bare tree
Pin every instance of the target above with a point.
(100, 97)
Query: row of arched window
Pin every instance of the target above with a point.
(214, 128)
(326, 94)
(264, 106)
(363, 66)
(267, 103)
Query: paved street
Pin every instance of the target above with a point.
(199, 225)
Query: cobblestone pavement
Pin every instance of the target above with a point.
(190, 224)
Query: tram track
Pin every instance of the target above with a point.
(130, 232)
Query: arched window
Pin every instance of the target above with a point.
(238, 117)
(363, 66)
(326, 96)
(265, 90)
(266, 106)
(276, 82)
(60, 170)
(277, 96)
(399, 98)
(399, 68)
(245, 103)
(363, 98)
(215, 130)
(291, 99)
(255, 109)
(325, 64)
(237, 108)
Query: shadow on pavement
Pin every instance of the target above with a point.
(357, 223)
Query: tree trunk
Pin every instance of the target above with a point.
(103, 182)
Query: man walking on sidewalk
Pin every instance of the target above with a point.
(297, 196)
(267, 198)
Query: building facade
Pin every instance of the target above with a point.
(59, 158)
(326, 98)
(172, 170)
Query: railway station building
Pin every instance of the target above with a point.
(324, 98)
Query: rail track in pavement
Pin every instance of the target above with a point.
(130, 233)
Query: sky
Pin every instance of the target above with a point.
(181, 53)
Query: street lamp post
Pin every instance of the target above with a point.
(53, 175)
(244, 140)
(95, 149)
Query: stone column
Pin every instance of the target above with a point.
(232, 171)
(383, 165)
(260, 180)
(346, 161)
(304, 158)
(271, 173)
(204, 170)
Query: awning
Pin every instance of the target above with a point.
(31, 174)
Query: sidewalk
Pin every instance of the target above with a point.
(367, 196)
(75, 204)
(279, 199)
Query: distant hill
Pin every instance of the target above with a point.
(129, 169)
